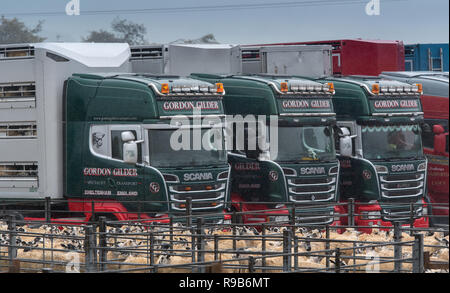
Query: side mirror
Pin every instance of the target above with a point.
(345, 142)
(127, 136)
(440, 143)
(345, 146)
(438, 129)
(426, 128)
(130, 152)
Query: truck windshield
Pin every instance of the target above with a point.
(392, 142)
(165, 148)
(305, 144)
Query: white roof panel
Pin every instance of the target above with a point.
(90, 54)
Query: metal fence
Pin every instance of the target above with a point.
(188, 243)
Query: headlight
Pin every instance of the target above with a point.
(381, 169)
(422, 167)
(375, 215)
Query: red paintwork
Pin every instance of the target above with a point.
(361, 57)
(263, 216)
(359, 208)
(435, 107)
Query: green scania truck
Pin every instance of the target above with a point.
(293, 159)
(108, 142)
(380, 149)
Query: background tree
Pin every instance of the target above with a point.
(13, 31)
(123, 31)
(206, 39)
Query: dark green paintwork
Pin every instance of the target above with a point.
(129, 100)
(255, 97)
(353, 102)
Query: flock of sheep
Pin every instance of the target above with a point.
(62, 248)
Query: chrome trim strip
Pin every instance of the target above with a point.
(333, 180)
(221, 195)
(198, 209)
(402, 188)
(401, 181)
(291, 197)
(401, 196)
(222, 187)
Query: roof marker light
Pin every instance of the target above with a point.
(376, 88)
(219, 87)
(331, 87)
(419, 88)
(165, 88)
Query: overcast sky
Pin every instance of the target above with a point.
(413, 21)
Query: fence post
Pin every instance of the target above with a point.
(327, 246)
(337, 260)
(286, 251)
(411, 218)
(102, 243)
(89, 249)
(351, 212)
(200, 246)
(189, 211)
(216, 247)
(397, 247)
(171, 232)
(48, 210)
(93, 212)
(152, 249)
(263, 246)
(293, 215)
(12, 249)
(251, 264)
(418, 264)
(295, 252)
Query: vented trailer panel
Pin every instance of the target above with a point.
(361, 57)
(309, 61)
(149, 59)
(32, 79)
(184, 59)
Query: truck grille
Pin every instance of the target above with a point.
(312, 189)
(204, 196)
(404, 185)
(401, 213)
(316, 219)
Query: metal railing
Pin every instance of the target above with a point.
(187, 243)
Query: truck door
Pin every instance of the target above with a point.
(126, 179)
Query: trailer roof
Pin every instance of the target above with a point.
(90, 54)
(443, 76)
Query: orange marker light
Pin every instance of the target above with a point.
(331, 87)
(209, 187)
(219, 87)
(182, 205)
(165, 88)
(188, 188)
(420, 87)
(376, 88)
(284, 87)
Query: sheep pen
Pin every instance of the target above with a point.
(178, 249)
